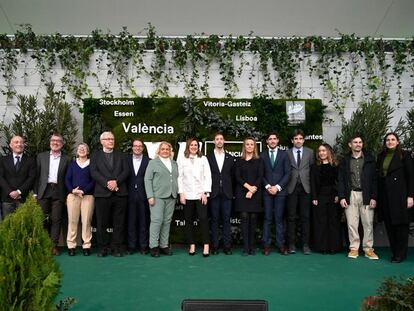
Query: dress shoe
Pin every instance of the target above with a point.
(102, 253)
(155, 252)
(55, 251)
(206, 250)
(396, 259)
(266, 251)
(283, 251)
(71, 251)
(214, 251)
(166, 251)
(191, 250)
(144, 251)
(227, 251)
(86, 252)
(130, 251)
(306, 250)
(117, 253)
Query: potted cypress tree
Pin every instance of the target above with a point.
(29, 276)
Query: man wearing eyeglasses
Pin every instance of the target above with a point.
(138, 209)
(109, 169)
(50, 187)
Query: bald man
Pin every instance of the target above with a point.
(17, 176)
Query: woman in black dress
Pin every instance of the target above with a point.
(395, 194)
(326, 213)
(249, 175)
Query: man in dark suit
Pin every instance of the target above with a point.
(138, 209)
(17, 176)
(276, 177)
(109, 169)
(50, 187)
(221, 166)
(301, 158)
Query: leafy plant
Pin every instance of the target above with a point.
(392, 295)
(36, 124)
(29, 276)
(406, 130)
(371, 120)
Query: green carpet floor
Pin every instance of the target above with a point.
(294, 282)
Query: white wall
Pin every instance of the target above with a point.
(27, 82)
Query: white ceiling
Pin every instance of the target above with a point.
(386, 18)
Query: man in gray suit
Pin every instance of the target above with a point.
(301, 158)
(50, 187)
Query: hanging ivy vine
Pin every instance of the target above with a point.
(343, 67)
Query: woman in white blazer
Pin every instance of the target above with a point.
(194, 187)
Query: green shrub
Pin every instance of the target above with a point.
(36, 124)
(29, 276)
(392, 295)
(371, 121)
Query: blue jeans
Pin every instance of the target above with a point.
(274, 207)
(220, 208)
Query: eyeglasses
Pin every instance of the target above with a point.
(108, 138)
(56, 140)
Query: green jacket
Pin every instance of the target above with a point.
(159, 181)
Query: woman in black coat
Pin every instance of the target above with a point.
(326, 213)
(395, 199)
(249, 175)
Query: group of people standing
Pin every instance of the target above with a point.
(136, 196)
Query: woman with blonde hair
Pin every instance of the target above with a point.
(80, 200)
(161, 187)
(194, 187)
(249, 175)
(326, 212)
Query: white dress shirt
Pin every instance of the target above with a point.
(219, 159)
(194, 177)
(53, 168)
(136, 161)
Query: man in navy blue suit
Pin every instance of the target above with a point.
(275, 180)
(221, 166)
(138, 209)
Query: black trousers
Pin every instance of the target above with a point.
(248, 227)
(56, 216)
(111, 212)
(326, 225)
(138, 222)
(398, 237)
(191, 206)
(302, 200)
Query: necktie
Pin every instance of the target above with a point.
(272, 158)
(17, 165)
(298, 158)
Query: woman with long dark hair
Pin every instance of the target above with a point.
(249, 175)
(326, 213)
(395, 194)
(194, 187)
